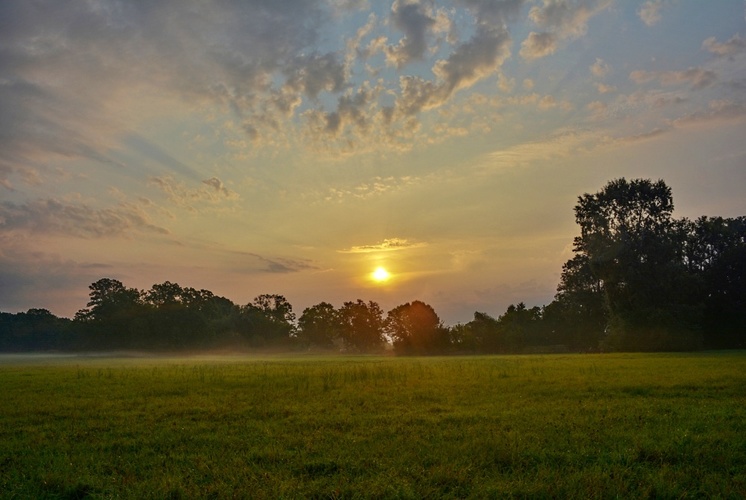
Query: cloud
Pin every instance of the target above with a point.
(39, 125)
(469, 63)
(219, 188)
(505, 84)
(644, 136)
(33, 278)
(697, 78)
(598, 109)
(387, 245)
(414, 19)
(650, 12)
(82, 79)
(212, 191)
(365, 190)
(558, 20)
(561, 145)
(63, 217)
(605, 89)
(349, 5)
(73, 73)
(718, 111)
(474, 60)
(352, 115)
(314, 74)
(158, 155)
(279, 265)
(733, 46)
(599, 69)
(543, 103)
(491, 13)
(538, 45)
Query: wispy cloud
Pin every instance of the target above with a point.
(211, 191)
(650, 12)
(387, 245)
(161, 157)
(74, 218)
(718, 112)
(374, 187)
(735, 45)
(696, 78)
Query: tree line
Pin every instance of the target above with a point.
(639, 280)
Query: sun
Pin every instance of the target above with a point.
(380, 275)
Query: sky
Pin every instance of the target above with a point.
(292, 147)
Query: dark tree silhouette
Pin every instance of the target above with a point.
(416, 329)
(362, 326)
(578, 314)
(633, 247)
(34, 330)
(715, 253)
(319, 325)
(484, 332)
(268, 321)
(114, 317)
(108, 298)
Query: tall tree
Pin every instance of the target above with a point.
(633, 247)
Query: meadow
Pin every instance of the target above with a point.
(591, 426)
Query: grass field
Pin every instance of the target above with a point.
(613, 425)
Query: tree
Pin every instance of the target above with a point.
(362, 325)
(108, 299)
(632, 245)
(461, 338)
(319, 325)
(220, 316)
(174, 319)
(578, 314)
(484, 332)
(520, 327)
(275, 307)
(113, 317)
(416, 329)
(268, 320)
(34, 330)
(715, 254)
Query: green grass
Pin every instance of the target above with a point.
(604, 426)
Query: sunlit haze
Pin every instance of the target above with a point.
(381, 274)
(335, 150)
